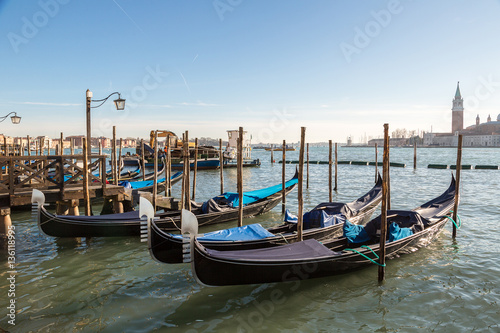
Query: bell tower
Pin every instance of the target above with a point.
(457, 112)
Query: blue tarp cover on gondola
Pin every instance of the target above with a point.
(245, 233)
(145, 183)
(355, 233)
(396, 232)
(316, 219)
(401, 224)
(253, 196)
(310, 248)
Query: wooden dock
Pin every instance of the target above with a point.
(59, 177)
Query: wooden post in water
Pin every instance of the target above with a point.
(195, 166)
(168, 170)
(72, 151)
(383, 222)
(307, 165)
(376, 162)
(415, 154)
(62, 144)
(283, 194)
(221, 162)
(168, 183)
(183, 182)
(118, 171)
(29, 146)
(143, 162)
(336, 163)
(155, 176)
(457, 191)
(330, 162)
(188, 172)
(388, 171)
(240, 176)
(301, 178)
(5, 146)
(113, 158)
(102, 166)
(272, 154)
(86, 197)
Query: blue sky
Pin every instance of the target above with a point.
(339, 68)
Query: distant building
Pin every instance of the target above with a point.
(394, 142)
(457, 112)
(478, 135)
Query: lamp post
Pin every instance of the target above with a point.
(15, 118)
(119, 103)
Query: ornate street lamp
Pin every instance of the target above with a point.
(119, 103)
(15, 118)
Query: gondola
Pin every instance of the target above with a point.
(129, 224)
(148, 185)
(311, 259)
(323, 222)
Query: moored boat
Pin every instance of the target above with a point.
(219, 209)
(323, 222)
(408, 231)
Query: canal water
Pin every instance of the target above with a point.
(113, 285)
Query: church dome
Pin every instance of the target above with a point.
(498, 117)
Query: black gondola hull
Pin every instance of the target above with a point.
(220, 272)
(167, 248)
(60, 226)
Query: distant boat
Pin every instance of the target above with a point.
(230, 155)
(287, 148)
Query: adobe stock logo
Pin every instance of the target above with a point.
(31, 27)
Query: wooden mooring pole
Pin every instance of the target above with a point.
(336, 163)
(415, 154)
(143, 161)
(187, 176)
(183, 182)
(457, 191)
(155, 176)
(113, 158)
(102, 166)
(388, 171)
(383, 221)
(240, 176)
(221, 167)
(330, 165)
(86, 196)
(283, 194)
(168, 183)
(272, 154)
(195, 166)
(301, 178)
(118, 171)
(62, 144)
(376, 163)
(307, 167)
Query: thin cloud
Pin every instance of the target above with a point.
(199, 104)
(44, 103)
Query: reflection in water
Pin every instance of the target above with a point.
(113, 285)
